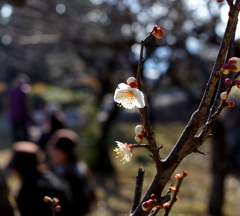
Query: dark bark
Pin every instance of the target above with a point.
(219, 170)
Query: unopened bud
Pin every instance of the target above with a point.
(224, 96)
(178, 176)
(158, 32)
(55, 201)
(139, 129)
(57, 208)
(225, 70)
(185, 173)
(166, 205)
(47, 199)
(173, 188)
(228, 82)
(139, 138)
(234, 64)
(131, 81)
(147, 206)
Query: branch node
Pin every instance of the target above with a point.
(199, 151)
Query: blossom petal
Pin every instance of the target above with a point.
(129, 97)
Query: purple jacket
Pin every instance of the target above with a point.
(17, 102)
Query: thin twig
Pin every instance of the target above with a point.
(138, 189)
(174, 197)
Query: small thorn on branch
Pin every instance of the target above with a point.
(160, 147)
(199, 151)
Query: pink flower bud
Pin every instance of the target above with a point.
(132, 82)
(139, 129)
(57, 208)
(139, 138)
(228, 82)
(234, 64)
(224, 96)
(147, 206)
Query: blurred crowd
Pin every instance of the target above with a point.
(45, 160)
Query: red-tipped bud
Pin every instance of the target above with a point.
(132, 82)
(147, 206)
(225, 70)
(220, 0)
(228, 82)
(166, 205)
(57, 208)
(139, 129)
(185, 173)
(224, 96)
(178, 176)
(152, 195)
(158, 32)
(229, 104)
(234, 64)
(139, 138)
(55, 201)
(47, 199)
(173, 188)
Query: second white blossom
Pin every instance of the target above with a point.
(129, 97)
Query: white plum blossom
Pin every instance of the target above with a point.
(124, 151)
(129, 97)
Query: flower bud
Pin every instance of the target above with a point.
(47, 199)
(224, 96)
(57, 208)
(158, 32)
(178, 176)
(228, 82)
(139, 138)
(185, 173)
(166, 205)
(147, 206)
(173, 188)
(55, 201)
(139, 130)
(225, 70)
(132, 82)
(229, 104)
(234, 64)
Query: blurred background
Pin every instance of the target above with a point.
(76, 52)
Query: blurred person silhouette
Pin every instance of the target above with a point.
(66, 162)
(54, 119)
(36, 182)
(18, 105)
(7, 204)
